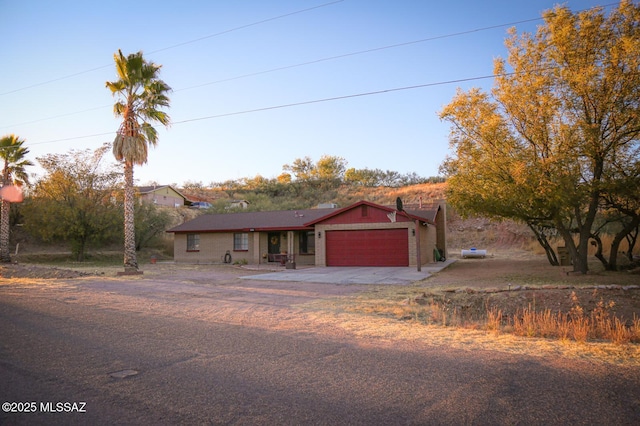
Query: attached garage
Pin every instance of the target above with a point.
(368, 234)
(371, 247)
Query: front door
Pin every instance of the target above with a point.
(274, 245)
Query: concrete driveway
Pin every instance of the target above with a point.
(355, 274)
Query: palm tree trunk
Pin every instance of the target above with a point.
(5, 256)
(130, 261)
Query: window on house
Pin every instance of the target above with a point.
(193, 242)
(241, 242)
(307, 242)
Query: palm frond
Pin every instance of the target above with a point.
(142, 95)
(130, 149)
(151, 134)
(121, 65)
(13, 155)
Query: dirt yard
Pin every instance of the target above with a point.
(514, 280)
(509, 280)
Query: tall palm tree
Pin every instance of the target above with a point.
(13, 155)
(141, 94)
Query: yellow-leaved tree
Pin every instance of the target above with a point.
(556, 143)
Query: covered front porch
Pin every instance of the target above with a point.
(286, 248)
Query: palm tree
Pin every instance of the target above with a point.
(141, 94)
(13, 173)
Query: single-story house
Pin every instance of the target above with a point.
(239, 204)
(362, 234)
(161, 195)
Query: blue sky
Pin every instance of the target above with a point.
(56, 57)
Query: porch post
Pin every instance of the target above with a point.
(290, 243)
(418, 256)
(256, 247)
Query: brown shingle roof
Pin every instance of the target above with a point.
(281, 220)
(428, 215)
(258, 221)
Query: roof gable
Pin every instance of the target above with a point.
(360, 212)
(367, 212)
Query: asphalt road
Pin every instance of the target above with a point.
(154, 352)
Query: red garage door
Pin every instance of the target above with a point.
(375, 247)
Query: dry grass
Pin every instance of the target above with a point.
(454, 308)
(598, 325)
(369, 316)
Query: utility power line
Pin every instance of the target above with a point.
(294, 104)
(316, 101)
(285, 67)
(337, 98)
(360, 52)
(176, 45)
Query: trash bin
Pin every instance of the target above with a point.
(291, 261)
(563, 256)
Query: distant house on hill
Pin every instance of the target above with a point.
(362, 234)
(161, 195)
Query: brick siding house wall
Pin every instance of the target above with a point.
(213, 247)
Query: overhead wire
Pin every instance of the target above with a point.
(253, 74)
(375, 49)
(321, 100)
(288, 66)
(360, 52)
(294, 104)
(299, 65)
(177, 45)
(336, 98)
(245, 26)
